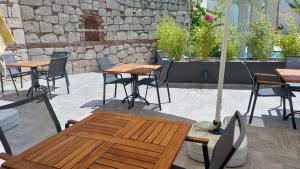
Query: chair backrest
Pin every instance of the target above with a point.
(57, 67)
(35, 122)
(164, 74)
(104, 63)
(9, 58)
(292, 62)
(249, 72)
(60, 54)
(226, 146)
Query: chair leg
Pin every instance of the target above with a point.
(205, 156)
(158, 96)
(49, 89)
(253, 108)
(116, 88)
(292, 111)
(104, 90)
(67, 85)
(168, 92)
(53, 84)
(284, 107)
(126, 93)
(2, 88)
(15, 85)
(250, 101)
(21, 79)
(146, 91)
(67, 78)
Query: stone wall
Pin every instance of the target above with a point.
(123, 30)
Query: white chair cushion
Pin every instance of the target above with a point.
(195, 149)
(8, 119)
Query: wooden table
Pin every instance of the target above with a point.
(108, 140)
(289, 75)
(33, 65)
(135, 71)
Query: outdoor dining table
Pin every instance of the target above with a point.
(108, 140)
(135, 70)
(33, 65)
(289, 75)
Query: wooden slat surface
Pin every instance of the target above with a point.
(108, 140)
(289, 75)
(132, 69)
(30, 64)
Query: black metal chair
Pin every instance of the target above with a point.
(283, 91)
(61, 55)
(225, 146)
(104, 63)
(36, 122)
(14, 73)
(158, 79)
(293, 62)
(56, 71)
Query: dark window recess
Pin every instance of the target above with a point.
(91, 29)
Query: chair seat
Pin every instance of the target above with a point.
(294, 86)
(275, 91)
(114, 80)
(147, 81)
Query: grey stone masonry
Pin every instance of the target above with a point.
(122, 30)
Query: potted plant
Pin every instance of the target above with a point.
(172, 39)
(260, 38)
(290, 42)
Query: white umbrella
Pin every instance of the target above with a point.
(217, 122)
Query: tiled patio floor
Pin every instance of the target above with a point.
(272, 142)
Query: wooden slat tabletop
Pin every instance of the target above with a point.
(30, 63)
(108, 140)
(132, 69)
(289, 75)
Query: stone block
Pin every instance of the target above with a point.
(143, 36)
(35, 51)
(14, 22)
(49, 51)
(32, 38)
(31, 2)
(19, 36)
(57, 8)
(128, 20)
(61, 2)
(90, 54)
(73, 37)
(121, 35)
(51, 37)
(74, 18)
(69, 10)
(51, 19)
(132, 35)
(111, 36)
(62, 39)
(124, 27)
(15, 9)
(31, 27)
(146, 21)
(3, 10)
(86, 6)
(102, 12)
(44, 10)
(112, 4)
(73, 2)
(122, 54)
(118, 20)
(69, 27)
(45, 27)
(136, 27)
(99, 48)
(80, 49)
(129, 12)
(115, 13)
(77, 70)
(58, 29)
(106, 51)
(113, 49)
(63, 18)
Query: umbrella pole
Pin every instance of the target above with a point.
(216, 128)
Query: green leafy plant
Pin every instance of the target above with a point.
(260, 38)
(203, 42)
(172, 38)
(233, 44)
(290, 42)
